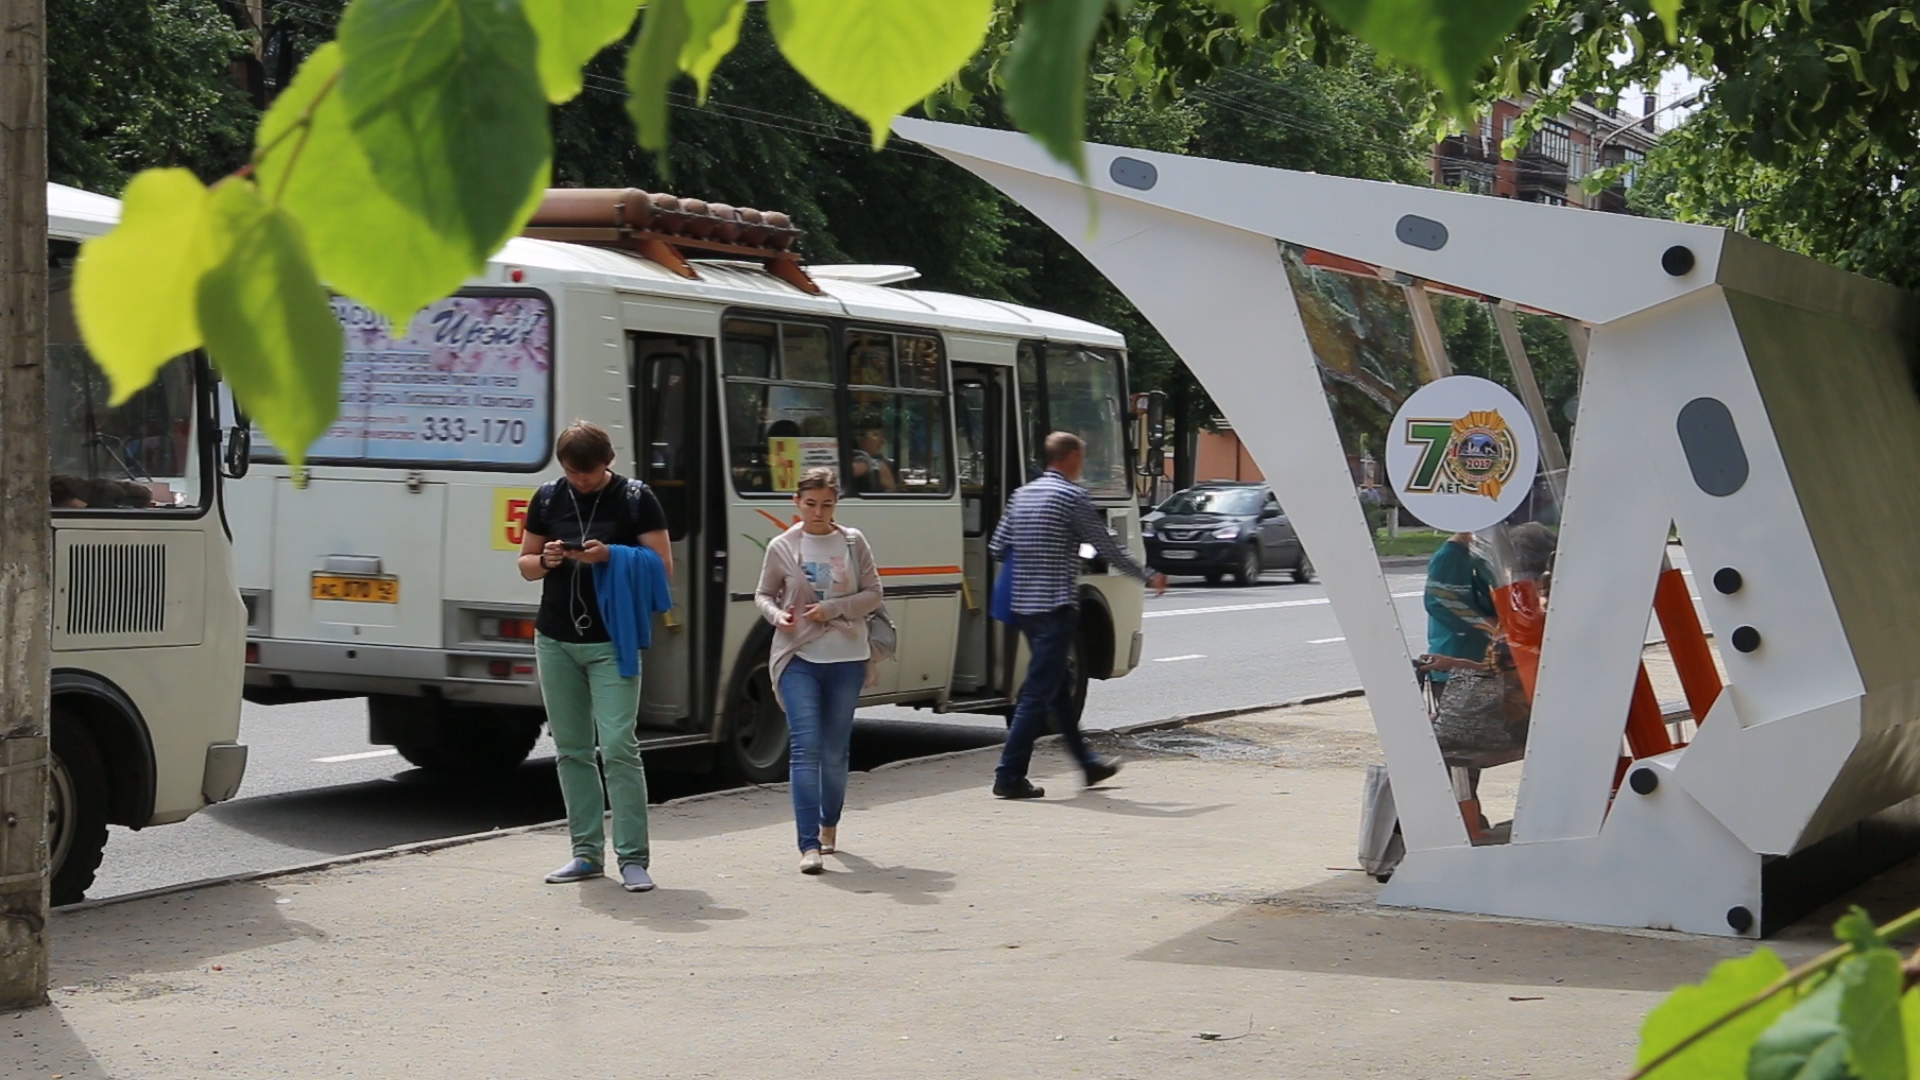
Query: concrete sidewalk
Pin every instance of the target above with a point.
(1096, 934)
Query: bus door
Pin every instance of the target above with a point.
(982, 403)
(669, 388)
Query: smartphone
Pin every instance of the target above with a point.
(568, 545)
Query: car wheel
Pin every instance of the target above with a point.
(1214, 576)
(1248, 572)
(1303, 571)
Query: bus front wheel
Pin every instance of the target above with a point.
(77, 806)
(755, 751)
(455, 741)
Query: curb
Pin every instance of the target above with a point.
(425, 847)
(1223, 714)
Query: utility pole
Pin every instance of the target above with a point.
(24, 515)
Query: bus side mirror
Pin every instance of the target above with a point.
(237, 456)
(1153, 462)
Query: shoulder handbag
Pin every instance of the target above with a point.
(1000, 602)
(1483, 709)
(883, 638)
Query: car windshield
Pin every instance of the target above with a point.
(1213, 501)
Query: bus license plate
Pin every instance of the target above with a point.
(1176, 553)
(366, 590)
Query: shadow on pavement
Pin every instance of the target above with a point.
(121, 950)
(1105, 800)
(415, 805)
(910, 885)
(39, 1043)
(664, 911)
(1282, 936)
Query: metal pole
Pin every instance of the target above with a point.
(1426, 332)
(1552, 454)
(24, 515)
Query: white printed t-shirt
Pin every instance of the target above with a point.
(828, 563)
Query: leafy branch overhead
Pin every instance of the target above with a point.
(403, 155)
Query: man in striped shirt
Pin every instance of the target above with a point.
(1045, 525)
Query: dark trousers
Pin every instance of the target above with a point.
(1046, 690)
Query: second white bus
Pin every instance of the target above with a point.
(386, 566)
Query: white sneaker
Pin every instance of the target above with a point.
(810, 863)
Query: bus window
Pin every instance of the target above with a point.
(1084, 397)
(781, 415)
(1033, 417)
(899, 415)
(140, 454)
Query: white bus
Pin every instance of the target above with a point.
(386, 566)
(148, 627)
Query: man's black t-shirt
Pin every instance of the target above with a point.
(616, 514)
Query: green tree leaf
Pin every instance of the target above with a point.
(652, 64)
(446, 102)
(879, 57)
(572, 32)
(1447, 39)
(1248, 11)
(268, 324)
(133, 289)
(1856, 929)
(1669, 12)
(1722, 1055)
(1848, 1028)
(354, 228)
(713, 30)
(1045, 74)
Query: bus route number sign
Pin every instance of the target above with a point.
(510, 517)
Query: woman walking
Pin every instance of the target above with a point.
(817, 587)
(571, 523)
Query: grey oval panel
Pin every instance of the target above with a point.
(1133, 173)
(1421, 232)
(1712, 445)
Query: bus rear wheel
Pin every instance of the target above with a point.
(756, 748)
(77, 808)
(456, 741)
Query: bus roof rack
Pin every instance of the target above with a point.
(665, 229)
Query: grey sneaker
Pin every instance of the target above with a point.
(634, 878)
(576, 870)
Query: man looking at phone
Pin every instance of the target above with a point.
(570, 523)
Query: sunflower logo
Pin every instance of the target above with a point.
(1481, 454)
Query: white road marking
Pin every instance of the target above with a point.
(364, 755)
(1268, 606)
(1325, 640)
(1171, 659)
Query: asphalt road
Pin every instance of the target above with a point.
(315, 788)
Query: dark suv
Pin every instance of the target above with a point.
(1218, 529)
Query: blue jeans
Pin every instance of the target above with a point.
(820, 699)
(1047, 689)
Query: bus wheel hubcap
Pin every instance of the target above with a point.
(60, 809)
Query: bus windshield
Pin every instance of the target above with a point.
(137, 455)
(1083, 396)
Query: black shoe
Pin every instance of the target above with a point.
(1018, 789)
(1101, 768)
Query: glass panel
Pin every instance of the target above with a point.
(919, 363)
(1032, 419)
(870, 359)
(748, 348)
(970, 410)
(666, 461)
(806, 354)
(136, 455)
(1477, 614)
(1214, 501)
(467, 384)
(900, 444)
(1083, 397)
(777, 432)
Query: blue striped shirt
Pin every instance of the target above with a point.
(1045, 525)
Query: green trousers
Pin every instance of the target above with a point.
(587, 702)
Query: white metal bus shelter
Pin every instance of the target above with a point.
(1759, 401)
